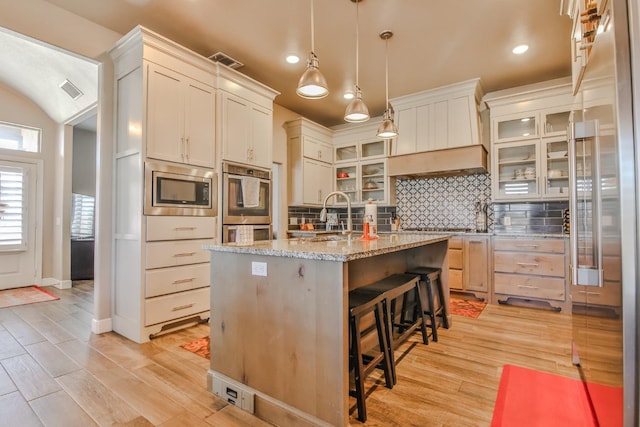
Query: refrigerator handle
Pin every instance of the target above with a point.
(597, 201)
(573, 204)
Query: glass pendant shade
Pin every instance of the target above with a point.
(356, 111)
(387, 128)
(312, 84)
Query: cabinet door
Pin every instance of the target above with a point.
(347, 153)
(235, 128)
(260, 144)
(477, 265)
(317, 181)
(555, 165)
(374, 149)
(516, 171)
(515, 127)
(165, 114)
(200, 121)
(373, 181)
(347, 177)
(316, 149)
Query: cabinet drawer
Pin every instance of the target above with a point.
(610, 294)
(455, 243)
(317, 150)
(455, 279)
(524, 263)
(173, 253)
(162, 281)
(530, 245)
(174, 306)
(455, 258)
(180, 227)
(529, 286)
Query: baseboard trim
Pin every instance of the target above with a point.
(60, 284)
(101, 326)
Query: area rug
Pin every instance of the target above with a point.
(26, 295)
(199, 347)
(528, 398)
(466, 308)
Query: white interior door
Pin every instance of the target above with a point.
(18, 212)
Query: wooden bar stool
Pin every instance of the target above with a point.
(431, 277)
(362, 303)
(392, 288)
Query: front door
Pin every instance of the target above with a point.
(18, 211)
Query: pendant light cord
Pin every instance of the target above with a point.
(386, 71)
(313, 49)
(357, 45)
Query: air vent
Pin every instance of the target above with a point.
(224, 59)
(71, 90)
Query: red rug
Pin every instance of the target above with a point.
(528, 398)
(26, 295)
(466, 308)
(199, 347)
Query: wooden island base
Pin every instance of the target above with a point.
(279, 319)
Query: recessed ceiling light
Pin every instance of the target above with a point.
(348, 95)
(293, 59)
(520, 49)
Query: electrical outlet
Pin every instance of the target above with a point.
(506, 220)
(293, 221)
(234, 393)
(258, 268)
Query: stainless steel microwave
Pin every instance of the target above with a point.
(172, 189)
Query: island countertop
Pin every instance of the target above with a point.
(342, 249)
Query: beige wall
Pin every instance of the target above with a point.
(16, 108)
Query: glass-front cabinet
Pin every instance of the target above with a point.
(373, 181)
(556, 168)
(516, 127)
(516, 170)
(347, 181)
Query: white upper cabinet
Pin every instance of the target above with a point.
(439, 118)
(529, 141)
(246, 120)
(180, 118)
(310, 157)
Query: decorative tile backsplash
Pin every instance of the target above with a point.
(444, 202)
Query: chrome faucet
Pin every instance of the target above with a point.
(323, 212)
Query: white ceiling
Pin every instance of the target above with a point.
(435, 42)
(37, 70)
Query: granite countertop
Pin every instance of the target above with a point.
(332, 250)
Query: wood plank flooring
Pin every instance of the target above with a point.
(54, 372)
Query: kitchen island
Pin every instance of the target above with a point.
(279, 318)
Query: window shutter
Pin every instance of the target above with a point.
(82, 210)
(12, 209)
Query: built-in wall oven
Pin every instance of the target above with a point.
(246, 200)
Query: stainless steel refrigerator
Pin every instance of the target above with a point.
(603, 217)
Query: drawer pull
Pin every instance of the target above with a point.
(184, 228)
(528, 264)
(528, 286)
(182, 307)
(522, 245)
(595, 294)
(184, 254)
(177, 282)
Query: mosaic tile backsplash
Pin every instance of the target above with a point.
(444, 202)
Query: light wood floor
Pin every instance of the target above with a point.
(55, 372)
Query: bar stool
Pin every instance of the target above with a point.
(362, 303)
(391, 288)
(431, 277)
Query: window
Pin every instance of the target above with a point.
(82, 208)
(20, 138)
(12, 208)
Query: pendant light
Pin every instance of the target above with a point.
(312, 84)
(357, 111)
(387, 129)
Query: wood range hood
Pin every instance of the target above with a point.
(467, 160)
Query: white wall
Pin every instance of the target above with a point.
(84, 162)
(15, 108)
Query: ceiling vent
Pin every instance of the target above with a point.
(224, 59)
(71, 90)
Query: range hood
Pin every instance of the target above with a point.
(465, 160)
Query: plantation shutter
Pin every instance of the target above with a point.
(82, 208)
(13, 208)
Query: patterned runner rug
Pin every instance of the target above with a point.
(466, 308)
(26, 295)
(199, 347)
